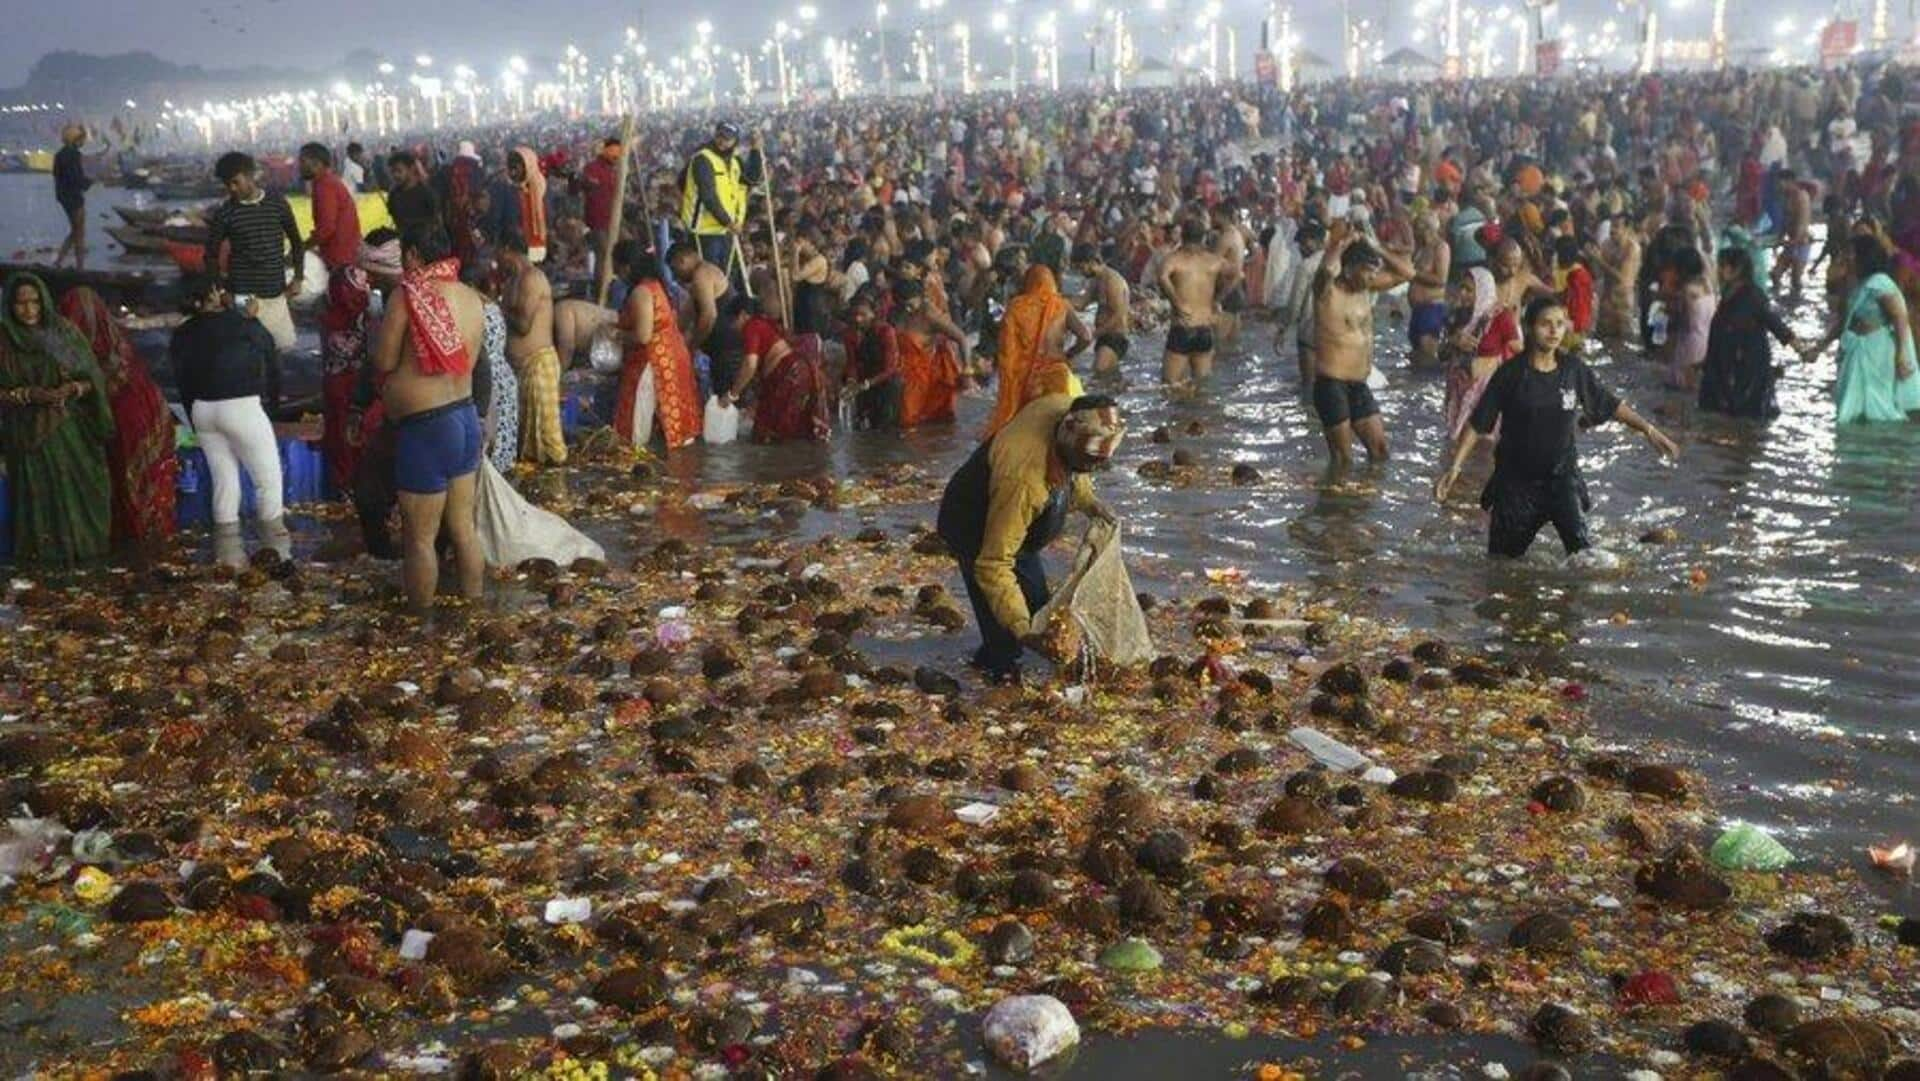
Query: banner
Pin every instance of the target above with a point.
(1265, 71)
(1837, 41)
(1546, 59)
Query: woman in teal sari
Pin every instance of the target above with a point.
(54, 424)
(1878, 376)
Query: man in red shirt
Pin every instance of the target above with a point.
(598, 181)
(343, 337)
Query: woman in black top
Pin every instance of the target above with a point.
(1738, 375)
(227, 367)
(1539, 399)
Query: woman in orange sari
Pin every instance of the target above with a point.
(930, 371)
(658, 370)
(1032, 361)
(140, 455)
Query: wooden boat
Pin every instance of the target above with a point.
(187, 191)
(153, 217)
(139, 241)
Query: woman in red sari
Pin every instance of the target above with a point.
(140, 455)
(657, 356)
(789, 380)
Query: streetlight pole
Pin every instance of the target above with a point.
(880, 28)
(780, 59)
(965, 34)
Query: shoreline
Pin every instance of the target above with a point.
(761, 716)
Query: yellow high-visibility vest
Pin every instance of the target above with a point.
(728, 187)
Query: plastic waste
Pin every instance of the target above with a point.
(604, 353)
(1657, 323)
(976, 814)
(722, 423)
(1024, 1031)
(93, 886)
(1328, 751)
(29, 844)
(1130, 955)
(1747, 847)
(413, 944)
(569, 910)
(1894, 858)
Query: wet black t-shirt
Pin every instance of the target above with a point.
(1538, 413)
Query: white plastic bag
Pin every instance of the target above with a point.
(722, 422)
(1376, 379)
(313, 284)
(645, 401)
(1024, 1031)
(513, 530)
(1099, 595)
(603, 352)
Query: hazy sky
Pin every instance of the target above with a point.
(316, 33)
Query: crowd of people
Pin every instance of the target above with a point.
(896, 255)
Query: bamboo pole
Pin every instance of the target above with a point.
(604, 274)
(780, 282)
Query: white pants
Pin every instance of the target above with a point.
(236, 432)
(278, 319)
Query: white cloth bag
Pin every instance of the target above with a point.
(513, 530)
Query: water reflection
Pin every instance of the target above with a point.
(1772, 639)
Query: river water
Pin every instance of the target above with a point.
(1770, 646)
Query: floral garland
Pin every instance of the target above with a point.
(954, 949)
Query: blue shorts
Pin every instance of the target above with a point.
(1429, 320)
(433, 446)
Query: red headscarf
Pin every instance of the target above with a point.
(437, 345)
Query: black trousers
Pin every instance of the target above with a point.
(1519, 510)
(1000, 648)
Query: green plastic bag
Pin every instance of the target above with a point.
(1749, 848)
(1130, 955)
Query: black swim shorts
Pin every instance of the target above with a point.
(1117, 344)
(1343, 401)
(1189, 341)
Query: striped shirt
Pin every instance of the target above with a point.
(256, 235)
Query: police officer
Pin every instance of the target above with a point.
(713, 198)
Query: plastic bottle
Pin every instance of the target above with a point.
(1657, 323)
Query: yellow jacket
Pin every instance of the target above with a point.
(1023, 477)
(729, 190)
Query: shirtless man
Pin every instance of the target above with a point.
(711, 319)
(1353, 270)
(426, 351)
(527, 304)
(1230, 243)
(1427, 293)
(1796, 233)
(1113, 317)
(1191, 278)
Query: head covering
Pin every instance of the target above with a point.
(45, 356)
(1095, 433)
(467, 149)
(1022, 357)
(112, 349)
(533, 202)
(726, 129)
